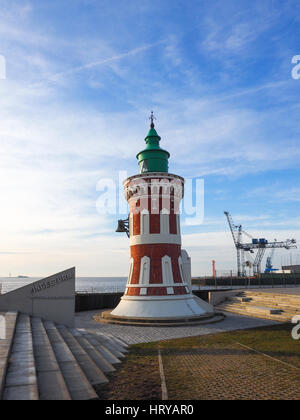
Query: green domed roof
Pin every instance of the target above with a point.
(153, 158)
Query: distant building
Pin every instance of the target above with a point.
(294, 269)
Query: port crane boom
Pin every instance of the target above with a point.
(236, 231)
(256, 245)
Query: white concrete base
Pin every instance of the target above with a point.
(156, 307)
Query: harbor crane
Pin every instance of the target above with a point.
(256, 245)
(269, 262)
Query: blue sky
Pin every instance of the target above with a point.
(82, 78)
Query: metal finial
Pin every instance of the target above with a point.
(152, 118)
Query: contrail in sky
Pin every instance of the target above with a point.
(116, 57)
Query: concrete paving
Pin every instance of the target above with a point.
(139, 334)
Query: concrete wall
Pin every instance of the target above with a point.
(220, 296)
(202, 294)
(94, 301)
(52, 298)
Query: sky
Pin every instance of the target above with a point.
(81, 79)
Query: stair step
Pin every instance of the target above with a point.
(123, 348)
(263, 305)
(284, 308)
(21, 380)
(122, 342)
(45, 361)
(254, 308)
(241, 299)
(281, 318)
(102, 347)
(89, 367)
(116, 349)
(101, 360)
(51, 383)
(278, 301)
(76, 381)
(7, 330)
(283, 297)
(281, 301)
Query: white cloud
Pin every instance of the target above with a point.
(233, 30)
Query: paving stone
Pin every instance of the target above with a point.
(133, 334)
(228, 372)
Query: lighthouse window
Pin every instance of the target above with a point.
(178, 223)
(164, 221)
(144, 222)
(145, 270)
(130, 271)
(167, 270)
(143, 166)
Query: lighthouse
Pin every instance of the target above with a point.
(158, 289)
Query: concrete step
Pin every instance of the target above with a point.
(99, 357)
(283, 306)
(76, 381)
(256, 314)
(112, 345)
(93, 373)
(261, 304)
(123, 348)
(51, 383)
(102, 347)
(7, 332)
(266, 305)
(278, 296)
(275, 299)
(42, 360)
(254, 309)
(21, 379)
(268, 317)
(242, 299)
(122, 342)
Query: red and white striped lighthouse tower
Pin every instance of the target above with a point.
(159, 281)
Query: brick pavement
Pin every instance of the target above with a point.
(228, 371)
(139, 334)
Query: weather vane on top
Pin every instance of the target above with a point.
(152, 118)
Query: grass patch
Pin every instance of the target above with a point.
(137, 378)
(275, 341)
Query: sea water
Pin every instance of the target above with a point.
(83, 284)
